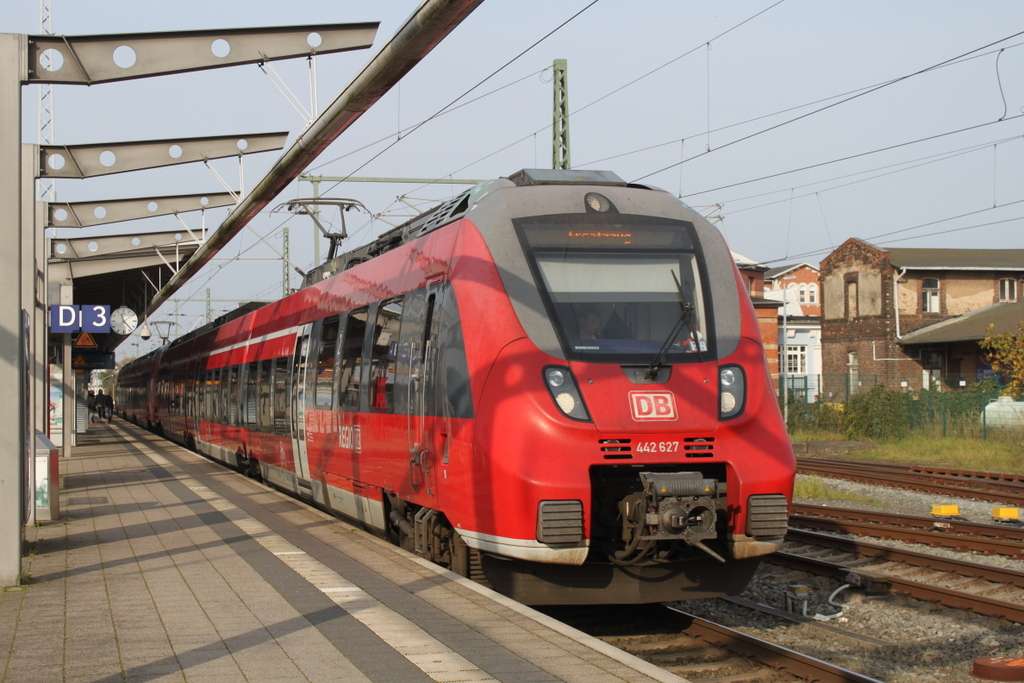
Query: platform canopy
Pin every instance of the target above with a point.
(118, 270)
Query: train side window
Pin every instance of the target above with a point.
(384, 355)
(232, 394)
(209, 395)
(325, 364)
(216, 413)
(352, 358)
(250, 392)
(281, 396)
(265, 416)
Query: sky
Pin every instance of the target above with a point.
(794, 124)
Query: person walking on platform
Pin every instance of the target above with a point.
(101, 405)
(106, 401)
(91, 403)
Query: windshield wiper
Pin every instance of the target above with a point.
(685, 320)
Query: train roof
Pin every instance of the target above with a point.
(455, 208)
(426, 222)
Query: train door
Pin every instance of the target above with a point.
(425, 430)
(442, 396)
(299, 392)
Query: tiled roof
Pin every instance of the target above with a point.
(958, 259)
(970, 326)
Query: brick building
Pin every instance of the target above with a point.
(877, 304)
(801, 283)
(801, 321)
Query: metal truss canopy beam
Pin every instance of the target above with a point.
(163, 256)
(119, 57)
(90, 160)
(116, 246)
(428, 26)
(87, 214)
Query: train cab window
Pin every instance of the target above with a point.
(351, 365)
(325, 364)
(619, 288)
(384, 355)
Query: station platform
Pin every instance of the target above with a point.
(166, 566)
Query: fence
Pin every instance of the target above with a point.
(871, 408)
(840, 387)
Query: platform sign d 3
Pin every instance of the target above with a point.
(74, 318)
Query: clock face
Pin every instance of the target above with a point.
(123, 320)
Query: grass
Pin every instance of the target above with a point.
(812, 487)
(817, 435)
(996, 454)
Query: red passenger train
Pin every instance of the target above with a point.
(553, 383)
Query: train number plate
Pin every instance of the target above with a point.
(657, 447)
(652, 405)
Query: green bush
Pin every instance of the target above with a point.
(879, 414)
(817, 417)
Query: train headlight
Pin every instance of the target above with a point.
(597, 202)
(566, 402)
(562, 387)
(732, 391)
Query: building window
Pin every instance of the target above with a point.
(812, 294)
(930, 295)
(1007, 289)
(853, 368)
(796, 360)
(803, 294)
(851, 299)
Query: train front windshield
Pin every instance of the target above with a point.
(621, 288)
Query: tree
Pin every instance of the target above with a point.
(1006, 355)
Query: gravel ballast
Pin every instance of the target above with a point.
(921, 641)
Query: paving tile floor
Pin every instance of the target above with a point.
(167, 567)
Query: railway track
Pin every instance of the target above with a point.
(960, 584)
(700, 650)
(999, 488)
(989, 539)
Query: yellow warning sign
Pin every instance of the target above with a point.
(78, 361)
(85, 341)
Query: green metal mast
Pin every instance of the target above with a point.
(560, 129)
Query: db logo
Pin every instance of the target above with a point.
(652, 405)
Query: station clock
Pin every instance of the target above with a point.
(123, 320)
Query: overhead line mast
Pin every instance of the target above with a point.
(560, 126)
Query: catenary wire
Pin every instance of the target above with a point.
(622, 87)
(780, 111)
(478, 84)
(908, 165)
(840, 102)
(847, 158)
